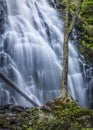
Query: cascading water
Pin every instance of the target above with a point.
(31, 54)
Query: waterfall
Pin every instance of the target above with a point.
(31, 54)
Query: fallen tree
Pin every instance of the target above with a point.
(17, 88)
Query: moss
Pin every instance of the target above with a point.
(55, 115)
(86, 32)
(59, 116)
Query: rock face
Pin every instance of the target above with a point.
(86, 41)
(3, 23)
(3, 27)
(3, 16)
(60, 6)
(85, 30)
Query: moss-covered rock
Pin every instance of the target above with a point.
(85, 30)
(55, 115)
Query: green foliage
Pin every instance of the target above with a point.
(25, 126)
(84, 26)
(87, 11)
(73, 5)
(30, 128)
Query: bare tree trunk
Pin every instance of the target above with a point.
(14, 86)
(65, 96)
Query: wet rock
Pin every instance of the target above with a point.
(3, 15)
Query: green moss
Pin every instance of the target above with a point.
(59, 116)
(86, 24)
(55, 115)
(87, 11)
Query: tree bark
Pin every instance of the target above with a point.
(65, 96)
(14, 86)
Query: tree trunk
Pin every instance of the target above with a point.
(14, 86)
(65, 96)
(65, 65)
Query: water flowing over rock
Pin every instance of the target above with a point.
(31, 53)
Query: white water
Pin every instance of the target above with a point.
(33, 54)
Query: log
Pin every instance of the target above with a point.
(15, 87)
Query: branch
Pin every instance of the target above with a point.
(75, 17)
(67, 15)
(14, 86)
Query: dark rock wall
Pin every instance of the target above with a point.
(3, 16)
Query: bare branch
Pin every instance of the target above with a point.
(67, 15)
(75, 17)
